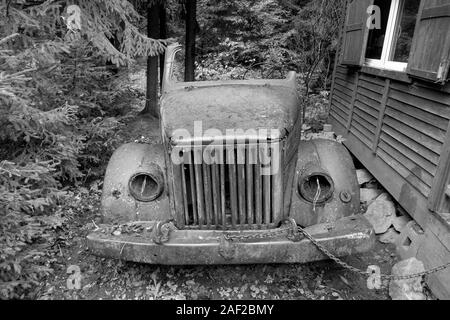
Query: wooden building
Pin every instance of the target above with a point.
(390, 99)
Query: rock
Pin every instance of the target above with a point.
(400, 222)
(329, 135)
(363, 176)
(328, 131)
(410, 240)
(372, 185)
(380, 214)
(367, 195)
(390, 236)
(327, 128)
(410, 289)
(384, 196)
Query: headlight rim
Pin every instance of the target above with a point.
(156, 176)
(303, 194)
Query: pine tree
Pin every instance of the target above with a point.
(153, 30)
(191, 33)
(55, 121)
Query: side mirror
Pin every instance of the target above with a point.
(169, 63)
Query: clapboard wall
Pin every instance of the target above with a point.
(398, 123)
(399, 129)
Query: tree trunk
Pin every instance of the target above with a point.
(151, 105)
(191, 15)
(162, 35)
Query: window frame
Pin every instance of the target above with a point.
(388, 44)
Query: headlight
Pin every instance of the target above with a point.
(316, 187)
(147, 186)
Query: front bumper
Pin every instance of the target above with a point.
(205, 247)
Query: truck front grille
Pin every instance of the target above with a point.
(231, 195)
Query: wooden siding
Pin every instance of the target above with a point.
(398, 126)
(397, 130)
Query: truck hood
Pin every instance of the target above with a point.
(222, 105)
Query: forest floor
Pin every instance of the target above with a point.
(103, 278)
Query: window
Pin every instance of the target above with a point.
(389, 46)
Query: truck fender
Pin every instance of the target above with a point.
(326, 163)
(130, 165)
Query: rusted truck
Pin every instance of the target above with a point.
(231, 182)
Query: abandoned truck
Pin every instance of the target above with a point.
(230, 183)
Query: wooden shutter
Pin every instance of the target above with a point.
(355, 32)
(430, 50)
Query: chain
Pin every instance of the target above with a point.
(288, 231)
(259, 236)
(293, 233)
(365, 273)
(330, 255)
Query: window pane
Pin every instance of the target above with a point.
(376, 36)
(405, 30)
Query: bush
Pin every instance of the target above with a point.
(57, 124)
(54, 125)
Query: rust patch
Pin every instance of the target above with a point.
(116, 193)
